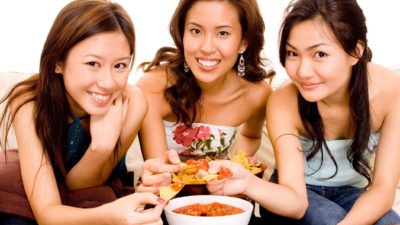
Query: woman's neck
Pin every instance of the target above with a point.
(220, 86)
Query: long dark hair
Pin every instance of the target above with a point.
(77, 21)
(184, 94)
(347, 22)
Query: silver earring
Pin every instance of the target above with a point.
(185, 67)
(241, 67)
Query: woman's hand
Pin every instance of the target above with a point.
(236, 184)
(129, 209)
(105, 129)
(157, 172)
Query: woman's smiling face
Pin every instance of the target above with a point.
(212, 39)
(96, 72)
(316, 62)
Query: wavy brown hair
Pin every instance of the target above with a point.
(77, 21)
(185, 93)
(346, 20)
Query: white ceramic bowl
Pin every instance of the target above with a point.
(180, 219)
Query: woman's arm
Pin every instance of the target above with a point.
(124, 121)
(379, 197)
(289, 197)
(42, 191)
(250, 133)
(152, 133)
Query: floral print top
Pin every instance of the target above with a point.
(200, 140)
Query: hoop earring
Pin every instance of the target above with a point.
(241, 67)
(185, 67)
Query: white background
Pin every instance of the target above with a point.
(24, 25)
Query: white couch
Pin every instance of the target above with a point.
(134, 157)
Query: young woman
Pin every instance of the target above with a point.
(334, 127)
(76, 118)
(213, 82)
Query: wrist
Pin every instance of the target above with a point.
(248, 181)
(105, 215)
(100, 148)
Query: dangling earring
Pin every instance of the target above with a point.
(185, 67)
(241, 67)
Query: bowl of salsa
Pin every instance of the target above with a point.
(208, 209)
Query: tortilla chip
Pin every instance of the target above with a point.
(209, 176)
(188, 170)
(169, 191)
(242, 159)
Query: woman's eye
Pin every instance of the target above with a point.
(223, 33)
(320, 54)
(120, 66)
(92, 63)
(195, 31)
(291, 53)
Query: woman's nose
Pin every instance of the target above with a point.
(207, 45)
(106, 79)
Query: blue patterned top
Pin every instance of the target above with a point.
(78, 142)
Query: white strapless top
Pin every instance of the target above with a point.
(199, 140)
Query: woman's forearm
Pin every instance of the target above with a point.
(93, 169)
(62, 214)
(277, 198)
(370, 206)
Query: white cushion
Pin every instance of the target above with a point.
(7, 81)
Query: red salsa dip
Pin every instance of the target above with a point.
(210, 209)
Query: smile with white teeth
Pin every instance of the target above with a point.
(207, 63)
(100, 97)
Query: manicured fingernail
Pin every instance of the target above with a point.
(160, 200)
(139, 209)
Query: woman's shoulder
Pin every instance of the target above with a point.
(133, 91)
(137, 100)
(22, 95)
(286, 91)
(260, 91)
(155, 80)
(376, 69)
(383, 80)
(284, 98)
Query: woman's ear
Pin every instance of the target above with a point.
(58, 68)
(243, 46)
(358, 52)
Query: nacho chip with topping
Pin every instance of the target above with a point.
(169, 191)
(242, 159)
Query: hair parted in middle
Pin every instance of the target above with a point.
(184, 93)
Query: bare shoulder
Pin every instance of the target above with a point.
(282, 103)
(385, 82)
(20, 102)
(284, 96)
(153, 85)
(154, 81)
(260, 91)
(378, 71)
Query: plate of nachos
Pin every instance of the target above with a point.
(194, 185)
